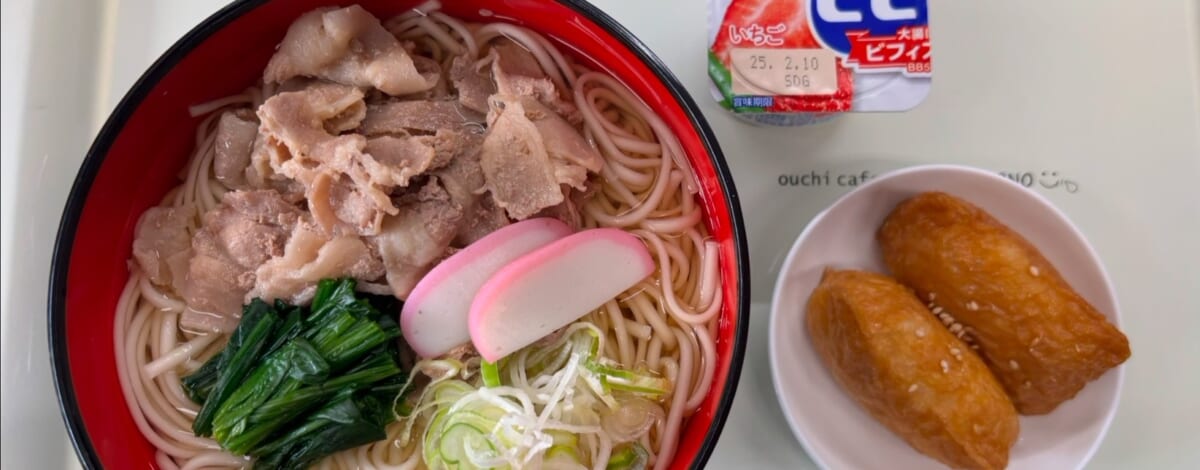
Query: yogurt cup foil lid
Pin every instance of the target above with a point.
(795, 62)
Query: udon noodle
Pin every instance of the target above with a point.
(665, 324)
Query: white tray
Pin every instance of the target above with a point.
(1105, 94)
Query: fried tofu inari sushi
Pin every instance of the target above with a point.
(1042, 339)
(889, 353)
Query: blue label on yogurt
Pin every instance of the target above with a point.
(835, 21)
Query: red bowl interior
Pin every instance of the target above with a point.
(139, 152)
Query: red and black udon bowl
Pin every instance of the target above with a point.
(148, 138)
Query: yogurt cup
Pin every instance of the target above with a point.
(797, 62)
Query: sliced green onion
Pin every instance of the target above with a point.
(629, 381)
(629, 457)
(490, 373)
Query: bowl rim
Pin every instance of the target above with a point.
(98, 151)
(969, 171)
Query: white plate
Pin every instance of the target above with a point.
(837, 433)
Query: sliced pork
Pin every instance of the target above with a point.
(520, 175)
(236, 131)
(349, 46)
(162, 244)
(474, 85)
(440, 90)
(261, 175)
(484, 217)
(312, 255)
(463, 178)
(348, 119)
(463, 181)
(246, 230)
(449, 145)
(300, 121)
(568, 210)
(563, 141)
(402, 157)
(348, 178)
(418, 116)
(419, 235)
(338, 207)
(528, 152)
(518, 73)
